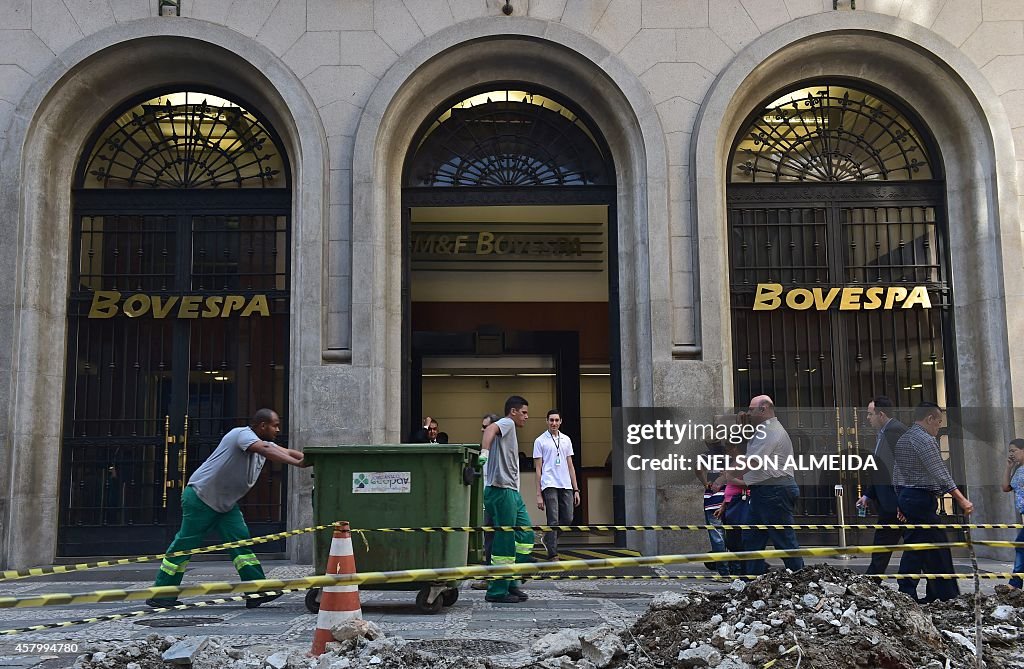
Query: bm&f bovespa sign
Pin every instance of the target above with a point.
(771, 296)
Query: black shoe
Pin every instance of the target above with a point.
(506, 599)
(157, 603)
(255, 602)
(515, 591)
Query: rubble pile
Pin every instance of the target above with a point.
(362, 646)
(826, 618)
(817, 618)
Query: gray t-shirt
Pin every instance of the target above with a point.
(502, 468)
(229, 472)
(776, 442)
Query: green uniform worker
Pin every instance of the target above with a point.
(210, 501)
(500, 454)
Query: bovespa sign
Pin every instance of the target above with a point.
(771, 296)
(107, 303)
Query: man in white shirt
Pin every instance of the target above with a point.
(557, 490)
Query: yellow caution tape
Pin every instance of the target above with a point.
(676, 528)
(999, 544)
(142, 612)
(14, 574)
(717, 577)
(443, 574)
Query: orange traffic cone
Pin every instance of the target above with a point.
(338, 603)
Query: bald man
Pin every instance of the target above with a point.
(773, 492)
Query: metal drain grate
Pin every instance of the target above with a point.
(183, 621)
(466, 647)
(609, 595)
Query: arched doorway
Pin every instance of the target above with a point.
(510, 274)
(178, 313)
(835, 202)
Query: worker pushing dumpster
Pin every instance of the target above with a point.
(398, 485)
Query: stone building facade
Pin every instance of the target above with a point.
(669, 91)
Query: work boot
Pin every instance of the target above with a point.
(158, 603)
(515, 591)
(479, 585)
(254, 603)
(505, 599)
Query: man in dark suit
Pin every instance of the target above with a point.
(880, 490)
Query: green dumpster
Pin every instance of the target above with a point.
(399, 485)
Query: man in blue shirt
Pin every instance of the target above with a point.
(880, 490)
(921, 479)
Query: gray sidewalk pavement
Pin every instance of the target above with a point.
(504, 630)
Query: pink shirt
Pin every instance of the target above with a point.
(732, 490)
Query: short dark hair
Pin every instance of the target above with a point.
(554, 412)
(493, 417)
(925, 409)
(1019, 443)
(515, 402)
(263, 416)
(883, 405)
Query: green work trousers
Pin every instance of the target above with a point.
(506, 508)
(197, 520)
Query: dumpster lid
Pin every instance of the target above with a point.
(378, 449)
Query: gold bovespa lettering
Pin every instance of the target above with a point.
(874, 295)
(136, 305)
(770, 296)
(212, 308)
(805, 301)
(104, 304)
(161, 308)
(823, 301)
(850, 299)
(259, 305)
(767, 296)
(108, 303)
(896, 293)
(232, 303)
(918, 295)
(189, 306)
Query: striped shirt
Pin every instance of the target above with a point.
(919, 463)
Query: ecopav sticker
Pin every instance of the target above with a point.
(377, 482)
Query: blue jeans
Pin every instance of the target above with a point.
(919, 507)
(1018, 563)
(772, 504)
(717, 541)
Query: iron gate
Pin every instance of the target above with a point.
(178, 317)
(834, 187)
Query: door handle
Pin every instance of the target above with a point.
(168, 440)
(183, 456)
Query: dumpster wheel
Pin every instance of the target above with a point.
(423, 602)
(450, 596)
(313, 600)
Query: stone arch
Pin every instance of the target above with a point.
(491, 50)
(958, 105)
(49, 130)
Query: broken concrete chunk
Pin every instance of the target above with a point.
(278, 660)
(701, 656)
(670, 601)
(183, 651)
(563, 642)
(602, 645)
(357, 628)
